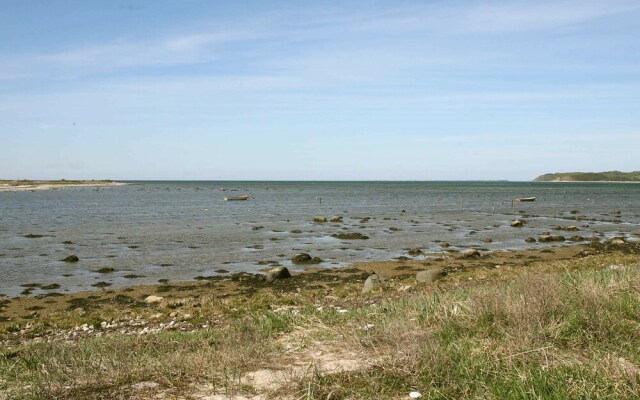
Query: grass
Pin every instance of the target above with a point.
(566, 329)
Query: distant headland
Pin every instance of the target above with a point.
(26, 184)
(608, 176)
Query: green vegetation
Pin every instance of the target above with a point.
(609, 176)
(555, 330)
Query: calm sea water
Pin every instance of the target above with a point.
(180, 230)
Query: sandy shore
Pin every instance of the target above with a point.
(6, 187)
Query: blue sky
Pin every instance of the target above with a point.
(403, 90)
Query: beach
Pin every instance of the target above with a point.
(316, 328)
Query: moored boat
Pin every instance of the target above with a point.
(526, 199)
(236, 198)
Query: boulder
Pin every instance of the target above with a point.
(616, 241)
(373, 282)
(415, 252)
(516, 223)
(444, 244)
(153, 299)
(545, 238)
(557, 238)
(571, 228)
(470, 253)
(530, 239)
(71, 259)
(304, 258)
(320, 220)
(278, 273)
(576, 238)
(336, 218)
(429, 275)
(350, 236)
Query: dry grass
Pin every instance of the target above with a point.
(570, 329)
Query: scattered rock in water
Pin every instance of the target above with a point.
(516, 223)
(221, 271)
(556, 228)
(133, 276)
(101, 284)
(305, 259)
(415, 252)
(487, 240)
(402, 258)
(545, 238)
(576, 238)
(444, 244)
(571, 228)
(51, 286)
(429, 275)
(257, 228)
(319, 219)
(153, 299)
(278, 273)
(33, 236)
(373, 282)
(350, 236)
(336, 218)
(530, 239)
(394, 229)
(470, 253)
(71, 259)
(105, 270)
(166, 265)
(557, 238)
(296, 231)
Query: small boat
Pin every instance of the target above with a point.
(236, 198)
(526, 199)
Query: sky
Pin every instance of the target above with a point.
(323, 90)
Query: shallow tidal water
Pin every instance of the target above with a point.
(177, 231)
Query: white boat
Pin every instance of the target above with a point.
(236, 198)
(526, 199)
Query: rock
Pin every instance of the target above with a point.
(487, 240)
(278, 273)
(469, 253)
(350, 236)
(530, 239)
(336, 218)
(571, 228)
(429, 275)
(373, 282)
(545, 238)
(557, 238)
(516, 223)
(304, 258)
(444, 244)
(153, 299)
(415, 252)
(576, 238)
(320, 219)
(616, 241)
(71, 259)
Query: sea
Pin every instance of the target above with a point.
(152, 231)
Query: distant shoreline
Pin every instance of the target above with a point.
(27, 185)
